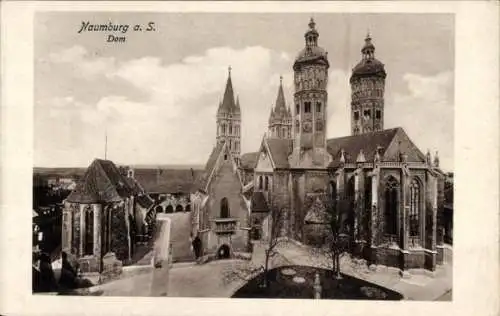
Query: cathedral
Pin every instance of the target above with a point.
(389, 192)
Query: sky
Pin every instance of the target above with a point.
(155, 96)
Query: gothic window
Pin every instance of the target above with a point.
(224, 208)
(367, 113)
(260, 182)
(279, 133)
(307, 107)
(318, 107)
(225, 156)
(283, 133)
(368, 193)
(230, 144)
(237, 145)
(266, 183)
(230, 129)
(377, 114)
(223, 129)
(391, 205)
(89, 232)
(356, 115)
(414, 207)
(297, 108)
(356, 130)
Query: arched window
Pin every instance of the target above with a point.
(260, 182)
(318, 107)
(224, 208)
(414, 207)
(307, 107)
(333, 190)
(391, 206)
(230, 129)
(266, 183)
(351, 196)
(297, 109)
(89, 232)
(223, 129)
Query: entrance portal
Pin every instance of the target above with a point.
(223, 252)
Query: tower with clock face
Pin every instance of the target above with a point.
(310, 104)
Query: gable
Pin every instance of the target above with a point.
(102, 182)
(402, 143)
(264, 163)
(220, 162)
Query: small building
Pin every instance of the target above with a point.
(104, 216)
(170, 188)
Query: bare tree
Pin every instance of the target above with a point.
(273, 240)
(335, 234)
(270, 241)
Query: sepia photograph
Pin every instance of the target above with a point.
(266, 155)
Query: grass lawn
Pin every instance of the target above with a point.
(283, 286)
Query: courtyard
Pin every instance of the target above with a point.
(224, 278)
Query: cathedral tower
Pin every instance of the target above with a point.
(367, 92)
(310, 98)
(280, 119)
(229, 120)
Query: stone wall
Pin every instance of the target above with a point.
(226, 184)
(119, 233)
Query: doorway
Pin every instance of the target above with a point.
(223, 252)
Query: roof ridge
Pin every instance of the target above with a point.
(107, 176)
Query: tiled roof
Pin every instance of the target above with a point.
(280, 149)
(249, 160)
(369, 67)
(102, 182)
(203, 178)
(161, 180)
(368, 143)
(144, 201)
(259, 203)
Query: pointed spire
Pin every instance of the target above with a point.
(228, 105)
(280, 107)
(428, 159)
(289, 112)
(342, 156)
